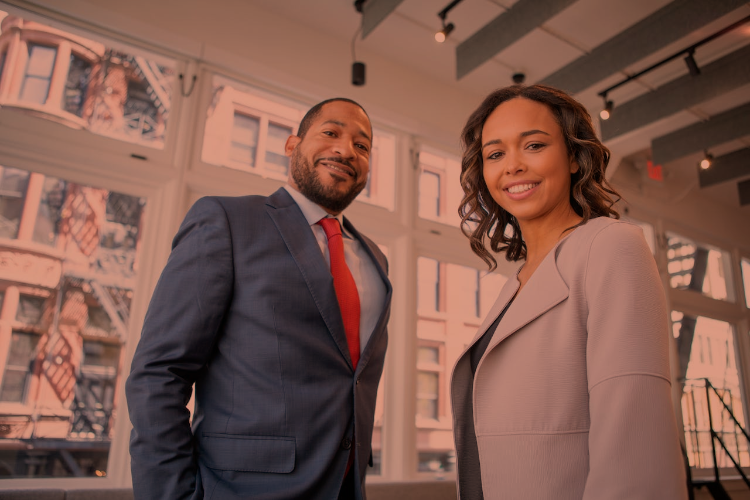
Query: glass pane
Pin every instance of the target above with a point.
(77, 298)
(41, 61)
(380, 189)
(13, 184)
(440, 192)
(34, 90)
(101, 354)
(14, 385)
(19, 365)
(698, 267)
(442, 335)
(746, 280)
(429, 195)
(706, 349)
(39, 68)
(30, 310)
(244, 139)
(47, 225)
(79, 74)
(428, 284)
(117, 94)
(428, 355)
(276, 160)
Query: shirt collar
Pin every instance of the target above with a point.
(311, 210)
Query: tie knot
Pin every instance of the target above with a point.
(331, 226)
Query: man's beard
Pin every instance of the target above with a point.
(308, 183)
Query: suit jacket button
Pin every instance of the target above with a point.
(357, 382)
(346, 443)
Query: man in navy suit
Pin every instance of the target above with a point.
(248, 310)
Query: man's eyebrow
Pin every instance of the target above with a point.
(523, 134)
(342, 124)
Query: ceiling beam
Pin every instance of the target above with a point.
(718, 129)
(523, 17)
(716, 78)
(667, 25)
(744, 189)
(373, 13)
(726, 168)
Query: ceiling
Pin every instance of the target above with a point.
(585, 47)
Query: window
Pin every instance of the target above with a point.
(47, 226)
(706, 349)
(30, 310)
(244, 139)
(13, 183)
(440, 193)
(69, 326)
(76, 85)
(430, 200)
(119, 94)
(276, 160)
(428, 287)
(428, 381)
(36, 81)
(698, 267)
(19, 366)
(452, 300)
(746, 280)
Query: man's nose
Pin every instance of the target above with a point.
(344, 147)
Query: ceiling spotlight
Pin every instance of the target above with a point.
(518, 77)
(605, 113)
(707, 160)
(441, 35)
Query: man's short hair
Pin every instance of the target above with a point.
(313, 113)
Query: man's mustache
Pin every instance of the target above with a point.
(342, 161)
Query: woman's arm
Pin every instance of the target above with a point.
(634, 447)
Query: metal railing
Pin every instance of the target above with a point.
(730, 435)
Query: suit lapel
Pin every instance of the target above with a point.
(302, 245)
(380, 326)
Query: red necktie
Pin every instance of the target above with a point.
(343, 283)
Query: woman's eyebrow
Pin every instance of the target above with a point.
(522, 134)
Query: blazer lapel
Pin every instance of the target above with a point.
(544, 290)
(302, 245)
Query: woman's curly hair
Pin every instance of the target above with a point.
(590, 194)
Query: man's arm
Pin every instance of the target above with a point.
(177, 341)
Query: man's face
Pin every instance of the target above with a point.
(330, 164)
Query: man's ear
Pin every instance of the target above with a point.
(291, 143)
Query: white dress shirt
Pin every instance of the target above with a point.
(370, 285)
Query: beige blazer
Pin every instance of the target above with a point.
(571, 399)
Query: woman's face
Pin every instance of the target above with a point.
(526, 164)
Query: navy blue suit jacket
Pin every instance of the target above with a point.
(245, 309)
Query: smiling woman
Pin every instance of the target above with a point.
(562, 370)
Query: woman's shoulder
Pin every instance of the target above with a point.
(600, 237)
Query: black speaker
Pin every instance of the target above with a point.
(358, 73)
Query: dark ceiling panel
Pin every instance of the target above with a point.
(726, 168)
(667, 25)
(719, 129)
(523, 17)
(716, 78)
(373, 13)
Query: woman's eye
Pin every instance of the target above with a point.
(536, 145)
(495, 155)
